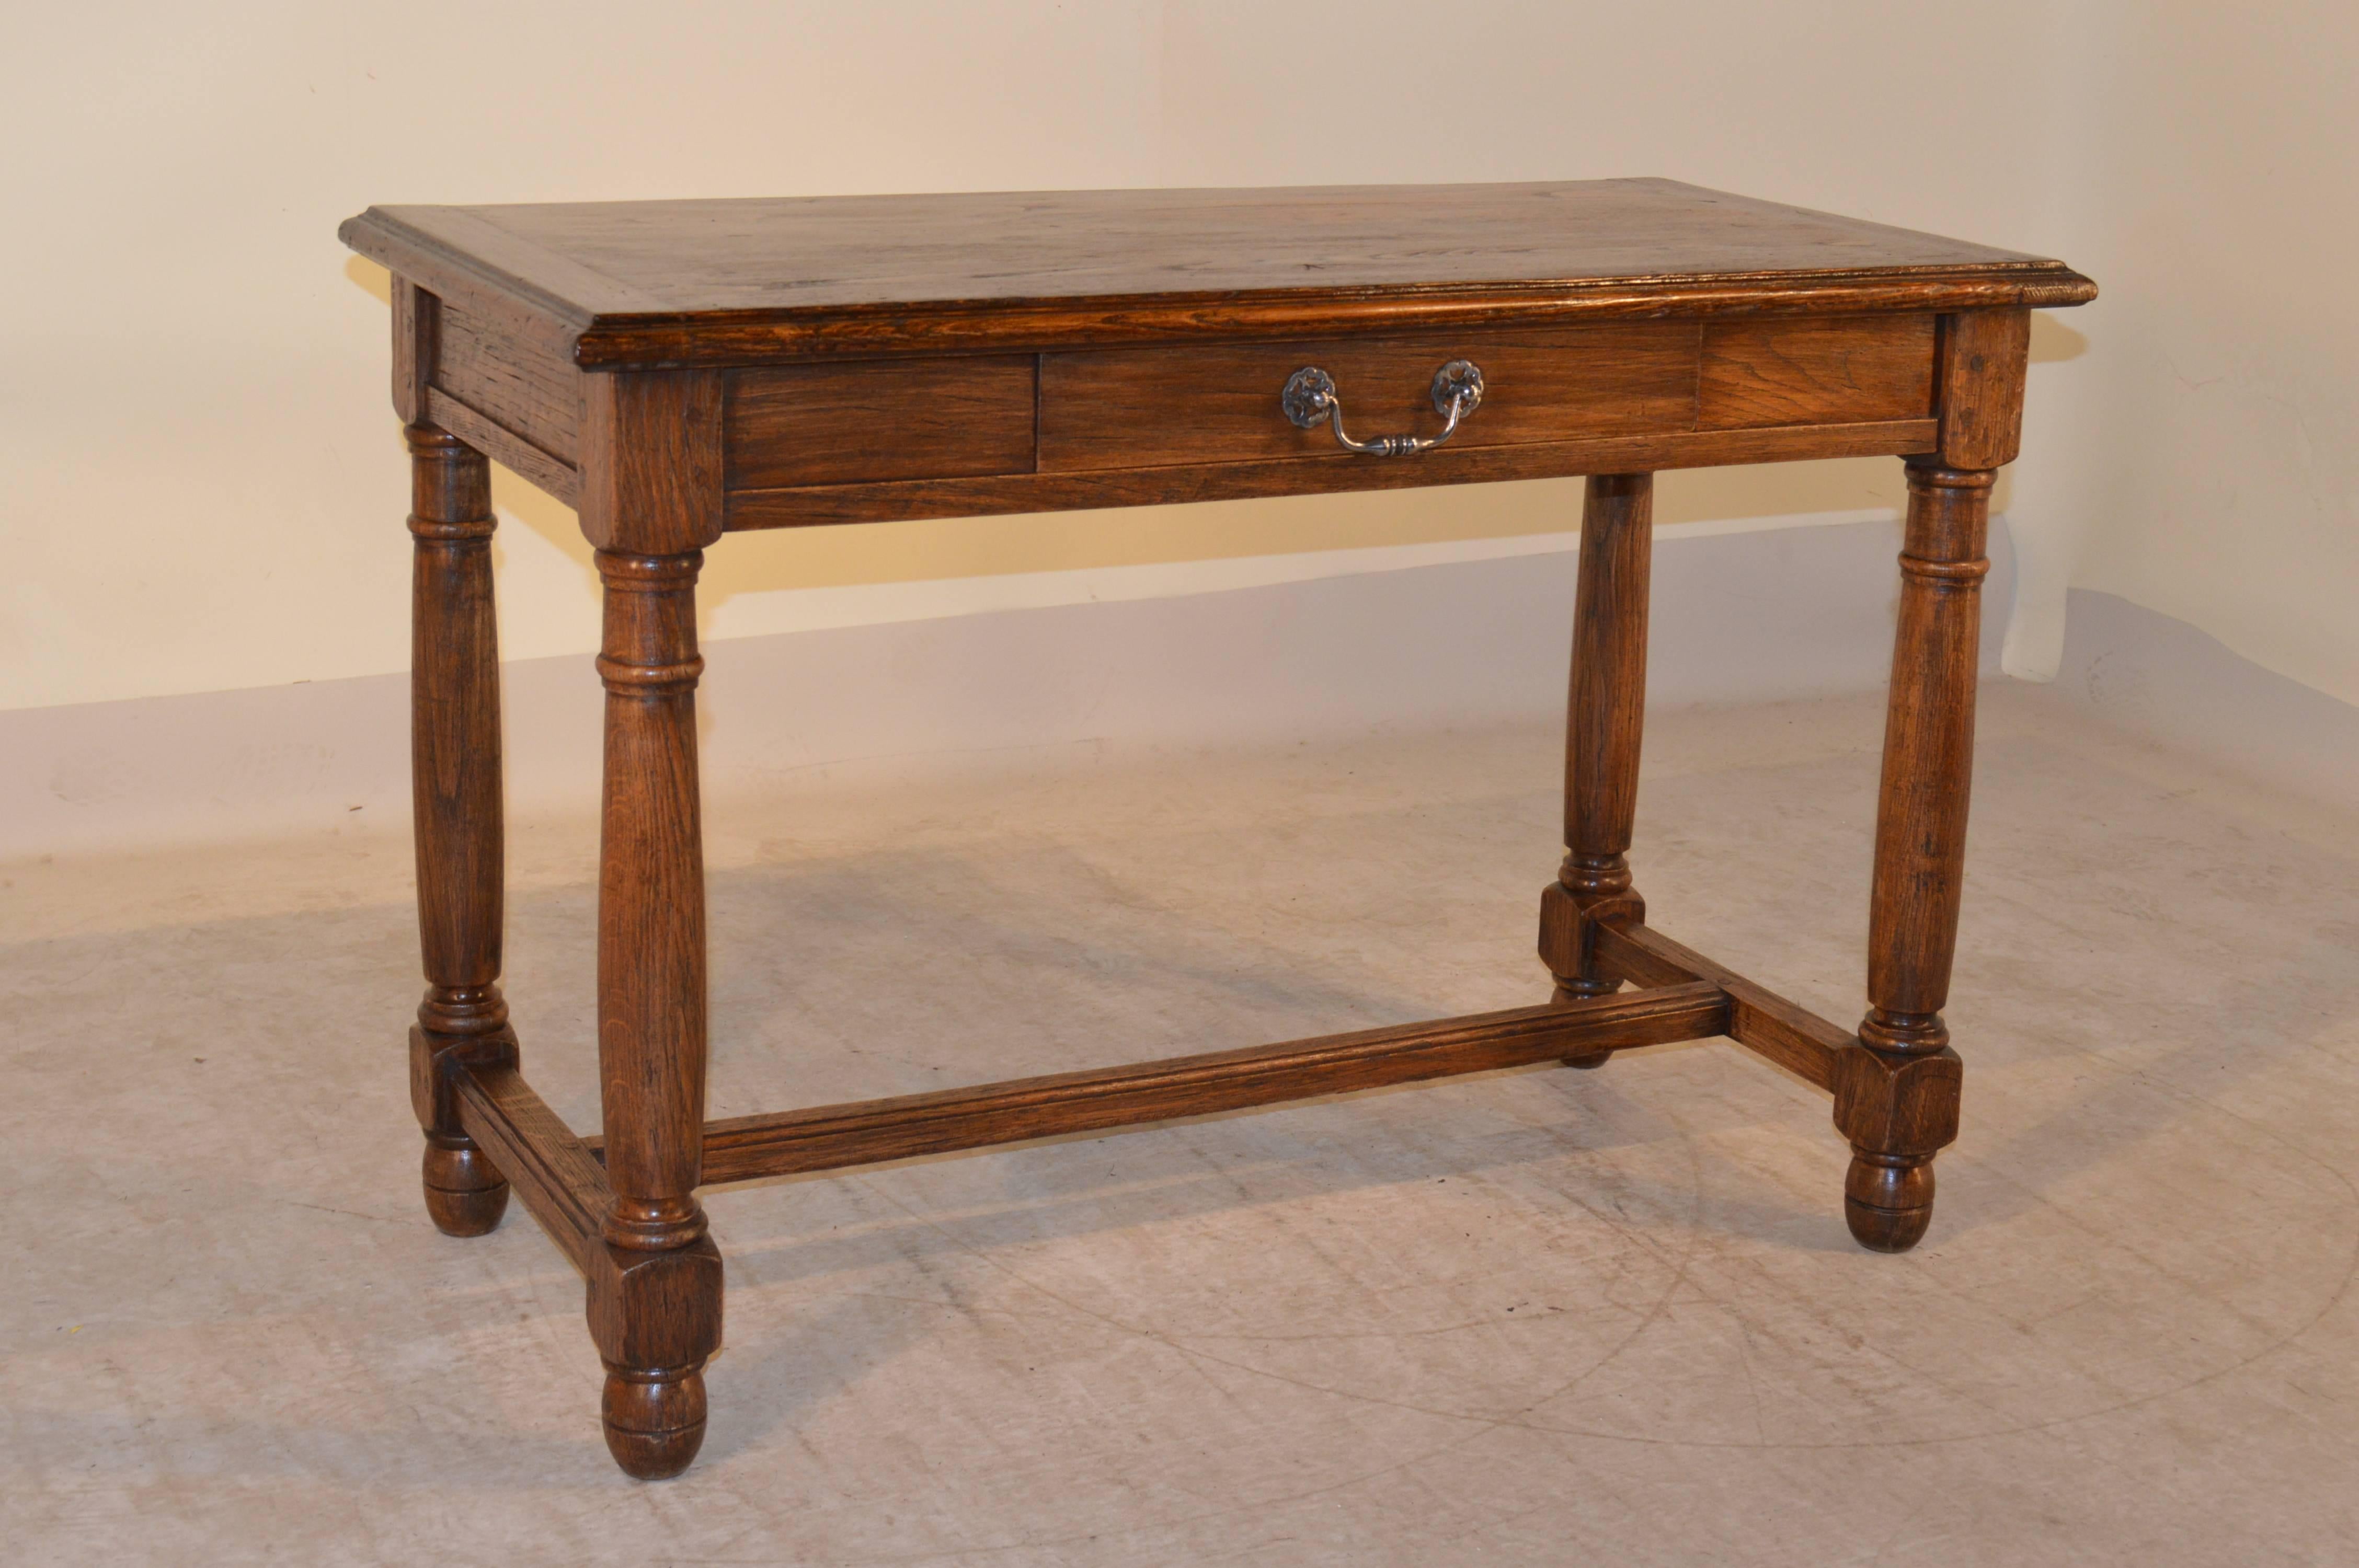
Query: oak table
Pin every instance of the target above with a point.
(676, 371)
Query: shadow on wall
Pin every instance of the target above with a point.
(933, 549)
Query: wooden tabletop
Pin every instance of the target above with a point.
(752, 280)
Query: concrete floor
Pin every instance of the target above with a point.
(1541, 1317)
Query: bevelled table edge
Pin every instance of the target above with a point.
(717, 339)
(657, 337)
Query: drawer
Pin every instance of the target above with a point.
(1154, 407)
(1097, 411)
(864, 421)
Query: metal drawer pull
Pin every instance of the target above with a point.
(1310, 401)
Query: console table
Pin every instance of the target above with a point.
(676, 371)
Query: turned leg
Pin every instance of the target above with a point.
(658, 1320)
(1605, 718)
(454, 756)
(1897, 1098)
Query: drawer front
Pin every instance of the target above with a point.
(863, 422)
(1154, 407)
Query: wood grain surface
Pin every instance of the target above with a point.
(1825, 370)
(524, 381)
(417, 325)
(1785, 1032)
(651, 989)
(748, 280)
(651, 461)
(651, 951)
(1604, 722)
(1899, 1105)
(456, 808)
(811, 505)
(1153, 408)
(829, 1137)
(1606, 696)
(564, 1187)
(869, 420)
(1984, 356)
(503, 445)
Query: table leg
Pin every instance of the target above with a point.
(660, 1317)
(1896, 1099)
(1605, 718)
(454, 755)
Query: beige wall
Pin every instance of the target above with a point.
(2203, 457)
(204, 487)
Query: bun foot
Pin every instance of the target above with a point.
(654, 1420)
(1888, 1200)
(465, 1194)
(1582, 991)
